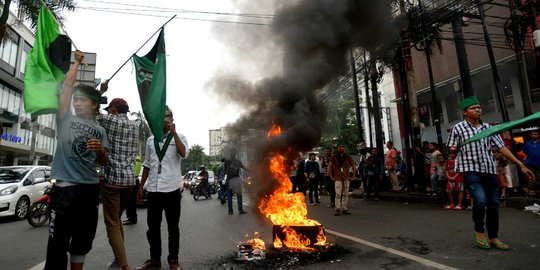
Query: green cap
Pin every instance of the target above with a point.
(472, 100)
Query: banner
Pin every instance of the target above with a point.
(150, 73)
(47, 63)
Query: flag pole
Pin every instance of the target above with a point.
(141, 47)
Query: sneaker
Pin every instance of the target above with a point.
(150, 265)
(458, 208)
(337, 212)
(242, 212)
(346, 212)
(318, 203)
(230, 212)
(311, 203)
(174, 265)
(129, 222)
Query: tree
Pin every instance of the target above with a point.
(28, 10)
(196, 158)
(144, 132)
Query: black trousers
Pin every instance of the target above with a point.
(331, 188)
(131, 206)
(313, 189)
(157, 203)
(74, 219)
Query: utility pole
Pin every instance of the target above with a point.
(32, 156)
(356, 99)
(374, 76)
(461, 52)
(370, 109)
(434, 104)
(524, 87)
(494, 70)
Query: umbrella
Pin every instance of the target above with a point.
(501, 128)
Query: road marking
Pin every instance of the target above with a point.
(393, 251)
(40, 266)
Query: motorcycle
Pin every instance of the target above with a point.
(40, 211)
(199, 190)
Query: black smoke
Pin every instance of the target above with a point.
(315, 38)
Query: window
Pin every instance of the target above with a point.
(8, 51)
(24, 56)
(37, 174)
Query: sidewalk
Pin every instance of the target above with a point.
(518, 202)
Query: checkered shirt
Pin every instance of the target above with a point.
(475, 156)
(123, 136)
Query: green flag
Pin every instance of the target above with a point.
(150, 72)
(46, 65)
(502, 128)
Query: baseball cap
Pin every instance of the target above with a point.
(118, 103)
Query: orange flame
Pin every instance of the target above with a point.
(257, 242)
(285, 208)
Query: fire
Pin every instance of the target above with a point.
(257, 242)
(287, 209)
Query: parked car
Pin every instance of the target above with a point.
(20, 186)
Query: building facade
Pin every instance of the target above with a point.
(218, 139)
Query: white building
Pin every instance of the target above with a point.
(218, 138)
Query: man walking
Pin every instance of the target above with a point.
(234, 183)
(75, 197)
(479, 169)
(341, 167)
(162, 170)
(118, 176)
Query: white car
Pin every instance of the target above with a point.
(20, 186)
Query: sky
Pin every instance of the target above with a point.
(196, 52)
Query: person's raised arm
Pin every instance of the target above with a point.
(180, 147)
(64, 101)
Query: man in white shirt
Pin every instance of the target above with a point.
(162, 170)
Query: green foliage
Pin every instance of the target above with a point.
(343, 125)
(28, 10)
(195, 159)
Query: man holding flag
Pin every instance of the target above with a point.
(475, 162)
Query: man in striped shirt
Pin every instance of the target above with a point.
(475, 162)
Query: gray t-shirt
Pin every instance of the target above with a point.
(73, 162)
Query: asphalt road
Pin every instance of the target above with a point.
(378, 235)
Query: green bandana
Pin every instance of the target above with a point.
(472, 100)
(79, 93)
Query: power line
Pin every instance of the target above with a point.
(266, 16)
(177, 18)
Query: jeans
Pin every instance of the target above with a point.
(485, 192)
(372, 184)
(114, 201)
(229, 194)
(313, 189)
(157, 203)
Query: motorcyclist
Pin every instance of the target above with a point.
(203, 176)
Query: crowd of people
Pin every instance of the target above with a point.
(87, 138)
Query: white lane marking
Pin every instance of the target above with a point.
(393, 251)
(40, 266)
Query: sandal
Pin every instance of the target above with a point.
(499, 244)
(481, 242)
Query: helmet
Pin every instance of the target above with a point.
(202, 167)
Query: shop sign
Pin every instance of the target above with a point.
(11, 138)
